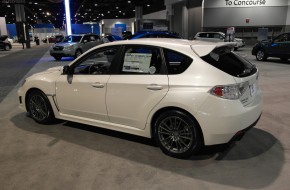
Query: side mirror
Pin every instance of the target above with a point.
(67, 70)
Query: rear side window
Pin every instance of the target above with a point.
(176, 62)
(229, 62)
(142, 60)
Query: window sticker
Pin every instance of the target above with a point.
(137, 62)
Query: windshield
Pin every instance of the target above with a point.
(130, 37)
(3, 38)
(229, 62)
(72, 39)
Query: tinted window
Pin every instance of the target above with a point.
(98, 62)
(176, 62)
(282, 38)
(229, 62)
(142, 60)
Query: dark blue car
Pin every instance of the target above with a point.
(278, 47)
(152, 34)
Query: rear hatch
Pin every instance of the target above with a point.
(244, 72)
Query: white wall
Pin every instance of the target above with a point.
(3, 28)
(156, 15)
(218, 13)
(110, 23)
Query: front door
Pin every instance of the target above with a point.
(280, 46)
(83, 93)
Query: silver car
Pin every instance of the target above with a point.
(74, 45)
(218, 37)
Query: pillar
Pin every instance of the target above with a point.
(138, 17)
(21, 25)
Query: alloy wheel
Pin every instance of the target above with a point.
(38, 107)
(175, 134)
(260, 55)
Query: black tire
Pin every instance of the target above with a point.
(261, 55)
(284, 59)
(6, 47)
(39, 107)
(78, 53)
(177, 134)
(58, 58)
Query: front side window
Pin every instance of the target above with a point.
(142, 60)
(282, 38)
(97, 62)
(176, 62)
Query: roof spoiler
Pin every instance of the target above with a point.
(219, 48)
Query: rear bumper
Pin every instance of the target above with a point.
(222, 120)
(240, 134)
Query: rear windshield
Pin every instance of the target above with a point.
(230, 63)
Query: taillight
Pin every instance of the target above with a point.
(232, 92)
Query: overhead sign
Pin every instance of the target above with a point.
(244, 3)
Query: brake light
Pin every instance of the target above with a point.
(232, 92)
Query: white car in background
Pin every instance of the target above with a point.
(184, 94)
(10, 40)
(218, 37)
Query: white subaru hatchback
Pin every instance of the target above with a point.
(184, 94)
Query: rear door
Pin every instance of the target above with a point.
(140, 84)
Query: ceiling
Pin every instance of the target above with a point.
(52, 11)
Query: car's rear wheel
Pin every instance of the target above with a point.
(78, 53)
(7, 47)
(58, 58)
(177, 134)
(39, 107)
(261, 55)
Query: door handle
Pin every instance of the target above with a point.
(98, 85)
(154, 87)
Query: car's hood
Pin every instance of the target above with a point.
(65, 44)
(56, 70)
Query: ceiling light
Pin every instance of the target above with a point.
(35, 3)
(129, 1)
(96, 4)
(40, 9)
(117, 7)
(148, 5)
(8, 5)
(109, 12)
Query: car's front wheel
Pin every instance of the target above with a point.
(78, 53)
(58, 58)
(261, 55)
(177, 134)
(284, 59)
(39, 107)
(7, 47)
